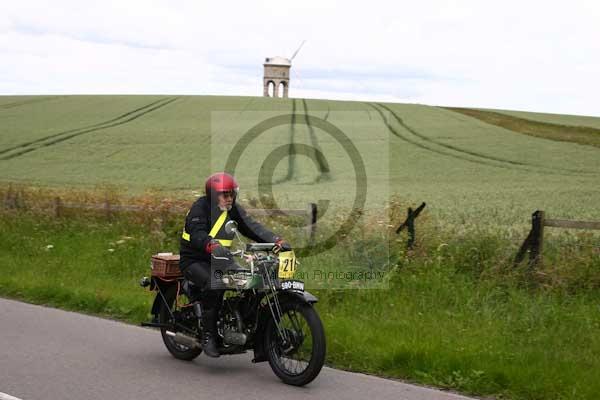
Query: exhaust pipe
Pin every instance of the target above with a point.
(183, 339)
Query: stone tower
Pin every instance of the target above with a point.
(277, 74)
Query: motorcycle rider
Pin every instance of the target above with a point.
(204, 240)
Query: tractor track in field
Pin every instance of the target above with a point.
(483, 159)
(448, 146)
(367, 110)
(69, 134)
(27, 102)
(26, 144)
(484, 156)
(292, 155)
(326, 116)
(459, 149)
(322, 163)
(422, 146)
(291, 151)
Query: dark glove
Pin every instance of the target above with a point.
(281, 245)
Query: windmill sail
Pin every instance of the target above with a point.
(296, 52)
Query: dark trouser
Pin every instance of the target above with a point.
(211, 299)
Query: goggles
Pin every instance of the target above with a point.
(230, 193)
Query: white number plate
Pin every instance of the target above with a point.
(292, 285)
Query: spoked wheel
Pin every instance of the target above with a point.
(178, 350)
(298, 356)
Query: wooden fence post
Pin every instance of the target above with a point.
(537, 238)
(410, 224)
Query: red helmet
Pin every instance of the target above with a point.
(221, 182)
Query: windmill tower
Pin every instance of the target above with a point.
(277, 75)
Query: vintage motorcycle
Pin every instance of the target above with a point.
(264, 309)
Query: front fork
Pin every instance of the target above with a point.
(275, 308)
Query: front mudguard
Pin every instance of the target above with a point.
(284, 296)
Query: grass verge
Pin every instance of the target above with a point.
(450, 317)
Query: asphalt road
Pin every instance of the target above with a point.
(50, 354)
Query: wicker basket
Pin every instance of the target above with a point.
(165, 265)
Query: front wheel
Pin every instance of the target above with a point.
(296, 351)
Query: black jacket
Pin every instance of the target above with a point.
(199, 222)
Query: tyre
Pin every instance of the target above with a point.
(178, 350)
(298, 359)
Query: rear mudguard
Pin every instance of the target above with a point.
(285, 297)
(160, 286)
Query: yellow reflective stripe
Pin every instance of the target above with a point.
(213, 232)
(184, 234)
(217, 226)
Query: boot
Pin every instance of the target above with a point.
(209, 333)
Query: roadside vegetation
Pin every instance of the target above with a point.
(557, 119)
(454, 313)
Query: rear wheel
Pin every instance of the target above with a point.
(178, 350)
(297, 358)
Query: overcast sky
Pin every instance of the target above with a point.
(538, 56)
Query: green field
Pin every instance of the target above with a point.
(452, 313)
(468, 171)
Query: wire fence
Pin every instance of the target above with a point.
(57, 207)
(518, 246)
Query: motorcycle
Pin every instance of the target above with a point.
(264, 310)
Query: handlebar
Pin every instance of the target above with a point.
(251, 248)
(259, 246)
